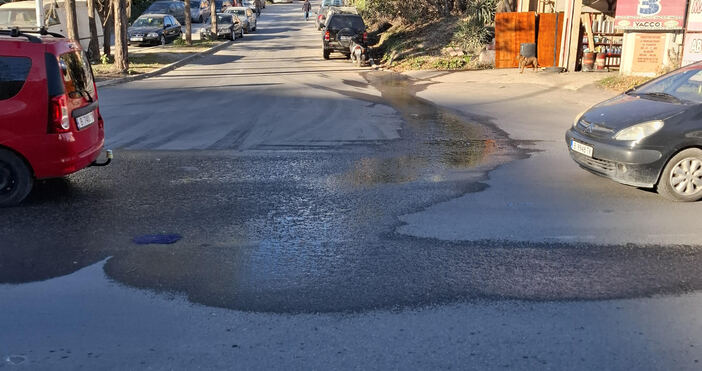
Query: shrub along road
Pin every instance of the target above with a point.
(289, 180)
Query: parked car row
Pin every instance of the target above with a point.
(161, 22)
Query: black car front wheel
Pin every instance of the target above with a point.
(16, 179)
(682, 176)
(326, 53)
(162, 40)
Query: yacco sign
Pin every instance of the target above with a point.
(650, 14)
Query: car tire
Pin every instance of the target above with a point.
(162, 40)
(681, 179)
(231, 36)
(16, 180)
(241, 34)
(325, 53)
(199, 19)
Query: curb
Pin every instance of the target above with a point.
(164, 69)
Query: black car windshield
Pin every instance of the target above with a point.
(222, 19)
(342, 21)
(682, 86)
(148, 22)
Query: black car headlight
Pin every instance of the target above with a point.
(639, 131)
(152, 35)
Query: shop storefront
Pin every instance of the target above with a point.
(636, 37)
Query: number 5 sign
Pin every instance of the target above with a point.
(648, 7)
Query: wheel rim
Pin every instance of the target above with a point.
(8, 179)
(686, 177)
(163, 40)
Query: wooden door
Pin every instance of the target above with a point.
(549, 39)
(511, 30)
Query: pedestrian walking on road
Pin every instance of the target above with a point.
(306, 7)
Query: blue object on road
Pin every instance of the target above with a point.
(160, 239)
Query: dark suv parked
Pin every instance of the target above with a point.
(341, 30)
(50, 122)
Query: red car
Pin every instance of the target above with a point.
(50, 123)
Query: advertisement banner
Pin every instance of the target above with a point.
(694, 16)
(693, 48)
(648, 52)
(650, 14)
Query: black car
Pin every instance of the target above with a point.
(650, 136)
(228, 27)
(340, 31)
(154, 29)
(173, 8)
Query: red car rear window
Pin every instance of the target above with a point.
(77, 76)
(13, 74)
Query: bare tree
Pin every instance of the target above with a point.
(71, 20)
(104, 9)
(120, 23)
(213, 17)
(188, 24)
(94, 47)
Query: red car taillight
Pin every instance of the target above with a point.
(365, 37)
(58, 115)
(326, 36)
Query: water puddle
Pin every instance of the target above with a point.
(437, 144)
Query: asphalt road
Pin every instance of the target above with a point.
(330, 218)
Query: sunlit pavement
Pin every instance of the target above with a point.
(287, 181)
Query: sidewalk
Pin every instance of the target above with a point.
(568, 80)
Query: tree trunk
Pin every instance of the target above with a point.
(71, 20)
(121, 54)
(188, 24)
(213, 18)
(107, 36)
(94, 47)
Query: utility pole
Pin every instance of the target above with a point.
(40, 13)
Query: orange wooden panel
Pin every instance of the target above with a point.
(511, 30)
(549, 38)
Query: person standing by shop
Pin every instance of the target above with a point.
(306, 7)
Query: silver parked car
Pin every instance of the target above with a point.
(199, 10)
(246, 15)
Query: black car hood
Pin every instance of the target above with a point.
(625, 110)
(144, 30)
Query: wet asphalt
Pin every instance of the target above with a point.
(286, 183)
(284, 178)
